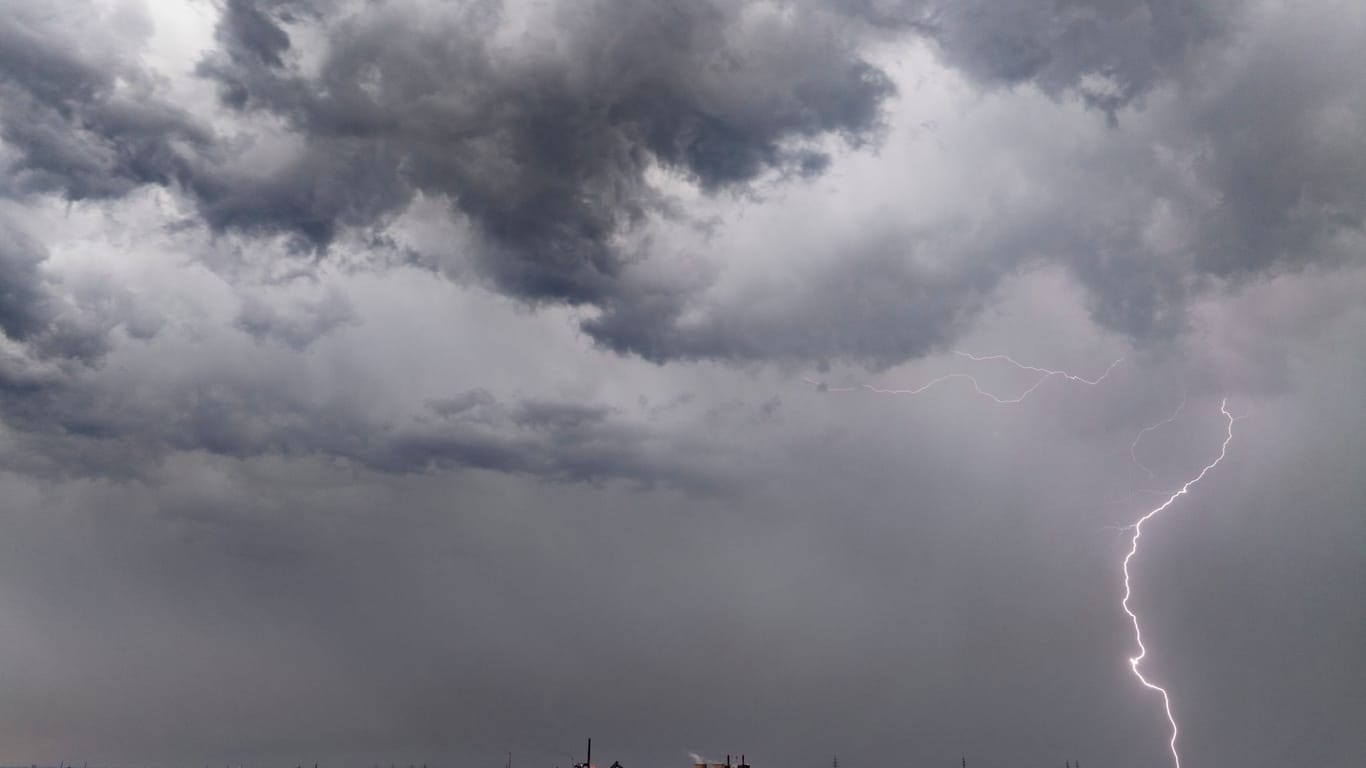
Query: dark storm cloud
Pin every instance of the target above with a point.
(546, 153)
(1270, 132)
(1111, 51)
(542, 142)
(543, 147)
(73, 419)
(24, 304)
(1249, 150)
(56, 327)
(85, 121)
(551, 440)
(73, 422)
(249, 32)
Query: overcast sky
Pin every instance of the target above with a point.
(404, 381)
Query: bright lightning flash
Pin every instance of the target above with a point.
(1044, 375)
(1137, 528)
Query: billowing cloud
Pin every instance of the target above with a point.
(297, 326)
(544, 129)
(50, 324)
(541, 137)
(82, 118)
(1109, 53)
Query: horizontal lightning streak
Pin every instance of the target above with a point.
(1137, 528)
(1045, 371)
(1044, 375)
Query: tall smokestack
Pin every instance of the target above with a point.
(589, 760)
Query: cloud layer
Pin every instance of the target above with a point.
(545, 132)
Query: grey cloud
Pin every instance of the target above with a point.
(299, 323)
(591, 452)
(1269, 135)
(542, 414)
(465, 401)
(24, 307)
(1109, 52)
(543, 148)
(1245, 166)
(546, 155)
(57, 325)
(80, 423)
(331, 184)
(769, 408)
(1132, 44)
(85, 120)
(73, 417)
(550, 440)
(248, 30)
(1266, 122)
(875, 306)
(1284, 130)
(543, 143)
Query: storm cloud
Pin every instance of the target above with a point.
(543, 140)
(545, 132)
(401, 381)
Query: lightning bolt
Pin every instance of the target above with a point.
(1046, 372)
(1133, 447)
(1133, 454)
(1044, 375)
(1137, 528)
